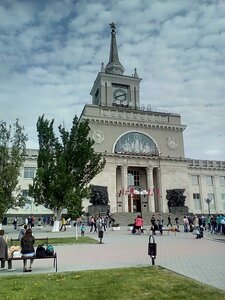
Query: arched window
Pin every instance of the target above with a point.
(136, 143)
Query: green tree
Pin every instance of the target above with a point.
(66, 164)
(12, 155)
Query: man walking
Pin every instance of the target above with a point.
(169, 221)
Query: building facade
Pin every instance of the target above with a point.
(144, 149)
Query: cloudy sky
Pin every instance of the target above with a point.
(52, 50)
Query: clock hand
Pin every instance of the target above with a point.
(121, 95)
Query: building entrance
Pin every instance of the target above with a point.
(137, 203)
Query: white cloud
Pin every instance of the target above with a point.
(51, 52)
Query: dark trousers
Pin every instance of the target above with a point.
(3, 263)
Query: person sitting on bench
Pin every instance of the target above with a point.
(27, 249)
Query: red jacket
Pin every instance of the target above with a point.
(139, 222)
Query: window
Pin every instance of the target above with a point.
(223, 201)
(28, 172)
(133, 178)
(222, 180)
(25, 193)
(195, 179)
(197, 201)
(212, 203)
(209, 180)
(136, 143)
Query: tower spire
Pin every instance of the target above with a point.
(114, 66)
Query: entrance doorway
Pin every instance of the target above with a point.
(137, 203)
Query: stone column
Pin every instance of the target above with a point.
(150, 186)
(159, 189)
(202, 198)
(215, 179)
(124, 187)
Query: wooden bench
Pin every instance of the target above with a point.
(165, 229)
(36, 239)
(45, 239)
(55, 264)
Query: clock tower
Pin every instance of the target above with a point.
(142, 148)
(113, 89)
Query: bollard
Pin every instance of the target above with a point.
(100, 235)
(152, 249)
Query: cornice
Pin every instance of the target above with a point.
(145, 157)
(134, 123)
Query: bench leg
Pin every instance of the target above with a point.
(55, 263)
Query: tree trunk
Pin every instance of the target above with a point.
(57, 216)
(56, 226)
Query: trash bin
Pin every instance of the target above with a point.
(152, 248)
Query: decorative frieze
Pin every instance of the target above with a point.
(147, 117)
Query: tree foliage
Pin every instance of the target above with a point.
(66, 165)
(12, 155)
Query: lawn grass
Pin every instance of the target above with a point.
(66, 240)
(72, 240)
(154, 283)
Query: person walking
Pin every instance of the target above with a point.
(82, 230)
(27, 249)
(15, 223)
(169, 221)
(92, 221)
(44, 221)
(186, 224)
(63, 224)
(160, 223)
(196, 227)
(177, 223)
(153, 224)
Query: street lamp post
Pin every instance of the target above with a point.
(208, 201)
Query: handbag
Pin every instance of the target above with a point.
(196, 232)
(40, 251)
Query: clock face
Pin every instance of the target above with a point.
(120, 96)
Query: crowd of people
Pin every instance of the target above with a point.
(196, 224)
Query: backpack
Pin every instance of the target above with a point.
(40, 251)
(49, 250)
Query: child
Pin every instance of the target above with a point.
(82, 229)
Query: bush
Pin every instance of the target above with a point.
(116, 225)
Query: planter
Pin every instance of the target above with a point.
(115, 228)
